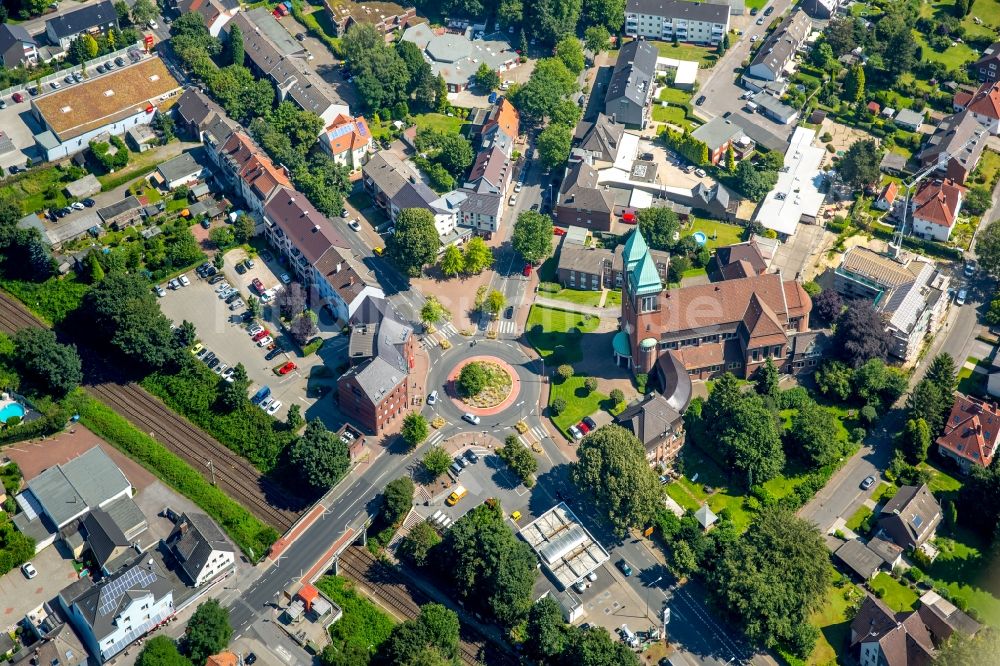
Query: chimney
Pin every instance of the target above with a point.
(979, 428)
(350, 281)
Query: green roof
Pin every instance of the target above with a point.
(635, 248)
(645, 277)
(621, 345)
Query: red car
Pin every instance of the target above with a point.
(527, 270)
(286, 368)
(558, 231)
(18, 97)
(261, 335)
(584, 428)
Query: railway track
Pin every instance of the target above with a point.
(232, 473)
(389, 586)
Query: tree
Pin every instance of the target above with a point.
(658, 226)
(596, 39)
(436, 461)
(253, 306)
(557, 406)
(590, 383)
(551, 20)
(381, 75)
(814, 432)
(961, 8)
(860, 165)
(550, 83)
(753, 182)
(683, 561)
(417, 545)
(208, 631)
(822, 56)
(943, 372)
(519, 458)
(477, 256)
(532, 236)
(43, 362)
(415, 429)
(90, 46)
(834, 379)
(730, 159)
(429, 640)
(243, 228)
(233, 395)
(472, 378)
(751, 441)
(397, 499)
(452, 262)
(768, 379)
(570, 51)
(929, 403)
(432, 311)
(487, 77)
(161, 651)
(546, 632)
(291, 301)
(495, 302)
(294, 419)
(186, 334)
(612, 467)
(828, 305)
(320, 456)
(916, 440)
(595, 647)
(608, 14)
(879, 385)
(416, 242)
(773, 577)
(988, 248)
(854, 85)
(861, 334)
(554, 143)
(565, 371)
(95, 273)
(617, 396)
(303, 327)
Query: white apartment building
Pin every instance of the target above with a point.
(697, 22)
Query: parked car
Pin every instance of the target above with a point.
(472, 456)
(251, 658)
(526, 271)
(217, 279)
(28, 569)
(249, 263)
(17, 97)
(868, 482)
(258, 285)
(228, 375)
(590, 422)
(961, 296)
(265, 403)
(379, 251)
(768, 11)
(271, 355)
(55, 85)
(237, 304)
(184, 280)
(286, 368)
(232, 297)
(558, 231)
(432, 398)
(174, 284)
(461, 462)
(700, 100)
(509, 312)
(471, 418)
(69, 78)
(197, 348)
(120, 61)
(518, 185)
(255, 329)
(513, 199)
(273, 407)
(353, 224)
(285, 279)
(970, 268)
(241, 269)
(265, 341)
(160, 291)
(583, 427)
(260, 335)
(152, 24)
(575, 432)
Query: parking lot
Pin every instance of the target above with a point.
(488, 477)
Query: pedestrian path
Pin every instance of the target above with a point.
(507, 327)
(443, 333)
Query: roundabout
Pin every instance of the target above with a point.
(500, 385)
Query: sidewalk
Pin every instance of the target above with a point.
(571, 307)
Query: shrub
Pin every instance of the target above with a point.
(312, 346)
(590, 383)
(794, 398)
(565, 371)
(558, 406)
(617, 396)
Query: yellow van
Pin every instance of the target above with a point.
(456, 495)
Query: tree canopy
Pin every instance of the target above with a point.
(208, 631)
(859, 166)
(320, 456)
(532, 236)
(861, 334)
(754, 183)
(658, 226)
(415, 243)
(430, 639)
(161, 651)
(550, 82)
(44, 363)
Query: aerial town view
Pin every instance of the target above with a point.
(541, 332)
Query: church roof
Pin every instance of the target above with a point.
(645, 277)
(635, 248)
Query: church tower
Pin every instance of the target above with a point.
(641, 288)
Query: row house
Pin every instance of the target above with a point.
(248, 170)
(697, 22)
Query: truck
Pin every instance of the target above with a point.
(456, 495)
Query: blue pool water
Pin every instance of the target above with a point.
(9, 410)
(700, 237)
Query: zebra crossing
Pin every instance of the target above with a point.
(435, 438)
(443, 333)
(507, 327)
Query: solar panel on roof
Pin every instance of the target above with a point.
(134, 578)
(341, 131)
(362, 130)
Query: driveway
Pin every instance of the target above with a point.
(18, 595)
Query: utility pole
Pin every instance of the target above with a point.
(211, 468)
(647, 594)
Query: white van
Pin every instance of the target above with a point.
(751, 107)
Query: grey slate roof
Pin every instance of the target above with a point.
(717, 132)
(859, 558)
(482, 203)
(309, 230)
(910, 515)
(127, 516)
(603, 137)
(386, 365)
(580, 190)
(194, 540)
(681, 9)
(393, 177)
(196, 108)
(127, 204)
(909, 117)
(951, 134)
(88, 480)
(83, 19)
(634, 73)
(104, 537)
(650, 419)
(13, 35)
(780, 46)
(185, 164)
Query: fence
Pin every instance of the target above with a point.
(88, 67)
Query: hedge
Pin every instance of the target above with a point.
(251, 535)
(312, 347)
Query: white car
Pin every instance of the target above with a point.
(513, 199)
(432, 398)
(152, 24)
(518, 185)
(961, 296)
(353, 224)
(471, 418)
(265, 403)
(160, 291)
(236, 305)
(223, 295)
(265, 341)
(219, 369)
(222, 286)
(273, 407)
(255, 329)
(227, 374)
(28, 569)
(76, 205)
(185, 281)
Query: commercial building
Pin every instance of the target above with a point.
(730, 326)
(797, 196)
(697, 22)
(91, 20)
(109, 104)
(385, 17)
(971, 433)
(718, 134)
(456, 57)
(936, 207)
(200, 548)
(565, 548)
(778, 50)
(348, 141)
(17, 47)
(631, 87)
(374, 389)
(909, 291)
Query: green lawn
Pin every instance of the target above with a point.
(885, 491)
(577, 296)
(579, 401)
(38, 189)
(834, 623)
(51, 300)
(987, 170)
(675, 96)
(674, 115)
(439, 122)
(701, 471)
(718, 233)
(971, 383)
(941, 482)
(364, 626)
(705, 56)
(547, 330)
(896, 596)
(614, 299)
(963, 566)
(854, 522)
(953, 57)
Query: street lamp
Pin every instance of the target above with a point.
(647, 594)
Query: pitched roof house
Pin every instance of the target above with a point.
(911, 516)
(779, 48)
(987, 68)
(984, 105)
(215, 12)
(200, 548)
(887, 197)
(600, 140)
(16, 46)
(91, 19)
(347, 140)
(971, 432)
(890, 639)
(956, 146)
(658, 424)
(200, 115)
(491, 171)
(250, 170)
(935, 207)
(741, 260)
(631, 85)
(582, 202)
(502, 127)
(393, 185)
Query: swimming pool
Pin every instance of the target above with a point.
(700, 237)
(10, 410)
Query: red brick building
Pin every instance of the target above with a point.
(971, 433)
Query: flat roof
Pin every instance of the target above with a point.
(563, 545)
(106, 99)
(797, 192)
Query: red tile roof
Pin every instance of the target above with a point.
(347, 134)
(938, 202)
(254, 167)
(986, 101)
(889, 192)
(506, 118)
(874, 107)
(961, 99)
(972, 430)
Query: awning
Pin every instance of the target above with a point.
(621, 345)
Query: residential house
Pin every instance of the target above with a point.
(944, 619)
(599, 141)
(909, 291)
(887, 197)
(320, 257)
(60, 646)
(385, 17)
(582, 202)
(247, 169)
(491, 171)
(956, 146)
(779, 48)
(374, 389)
(590, 268)
(880, 637)
(971, 432)
(122, 214)
(859, 558)
(447, 210)
(200, 548)
(987, 68)
(223, 659)
(482, 211)
(185, 169)
(731, 262)
(456, 57)
(983, 105)
(394, 186)
(501, 127)
(893, 164)
(822, 10)
(111, 615)
(93, 19)
(17, 47)
(697, 22)
(658, 425)
(909, 119)
(718, 134)
(107, 544)
(935, 208)
(911, 517)
(630, 90)
(106, 105)
(734, 325)
(217, 13)
(195, 111)
(348, 141)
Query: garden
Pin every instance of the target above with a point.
(484, 384)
